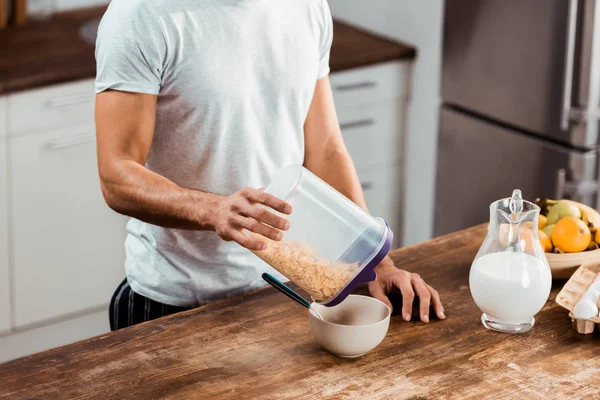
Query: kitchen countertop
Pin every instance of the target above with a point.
(45, 53)
(260, 346)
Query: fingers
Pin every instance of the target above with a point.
(260, 197)
(424, 296)
(408, 296)
(245, 241)
(256, 227)
(437, 303)
(264, 216)
(376, 290)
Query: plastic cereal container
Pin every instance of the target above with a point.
(332, 245)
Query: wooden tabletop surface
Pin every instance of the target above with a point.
(49, 52)
(259, 346)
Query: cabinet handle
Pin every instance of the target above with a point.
(569, 65)
(70, 100)
(71, 141)
(358, 124)
(366, 185)
(355, 86)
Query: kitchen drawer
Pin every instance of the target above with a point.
(383, 191)
(3, 119)
(55, 106)
(385, 81)
(68, 245)
(60, 333)
(373, 134)
(4, 269)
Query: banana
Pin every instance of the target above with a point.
(593, 246)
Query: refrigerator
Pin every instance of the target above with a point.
(520, 105)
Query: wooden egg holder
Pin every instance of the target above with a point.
(570, 294)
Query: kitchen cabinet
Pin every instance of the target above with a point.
(383, 192)
(373, 134)
(4, 260)
(3, 118)
(4, 265)
(68, 245)
(371, 103)
(63, 105)
(373, 84)
(59, 333)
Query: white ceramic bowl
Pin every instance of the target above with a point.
(353, 327)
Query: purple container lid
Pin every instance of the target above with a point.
(367, 274)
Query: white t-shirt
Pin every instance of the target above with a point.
(234, 79)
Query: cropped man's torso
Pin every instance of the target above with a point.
(234, 80)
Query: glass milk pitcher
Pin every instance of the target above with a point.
(510, 278)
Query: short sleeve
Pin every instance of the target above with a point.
(326, 40)
(130, 49)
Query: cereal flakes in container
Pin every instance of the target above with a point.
(332, 246)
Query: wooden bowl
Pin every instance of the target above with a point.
(564, 265)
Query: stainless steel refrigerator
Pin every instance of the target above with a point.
(521, 105)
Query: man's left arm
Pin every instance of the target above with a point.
(327, 157)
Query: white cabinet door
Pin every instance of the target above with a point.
(373, 133)
(374, 84)
(46, 337)
(3, 117)
(4, 272)
(68, 245)
(64, 105)
(383, 192)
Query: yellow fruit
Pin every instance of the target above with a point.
(542, 222)
(548, 230)
(588, 214)
(563, 209)
(545, 241)
(597, 236)
(571, 235)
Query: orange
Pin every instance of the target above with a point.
(571, 235)
(545, 241)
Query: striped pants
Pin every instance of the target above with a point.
(128, 308)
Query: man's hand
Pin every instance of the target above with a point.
(327, 157)
(247, 209)
(388, 277)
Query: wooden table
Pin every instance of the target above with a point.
(259, 346)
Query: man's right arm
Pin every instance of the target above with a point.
(125, 128)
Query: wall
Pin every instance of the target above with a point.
(419, 23)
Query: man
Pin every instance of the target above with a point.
(199, 103)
